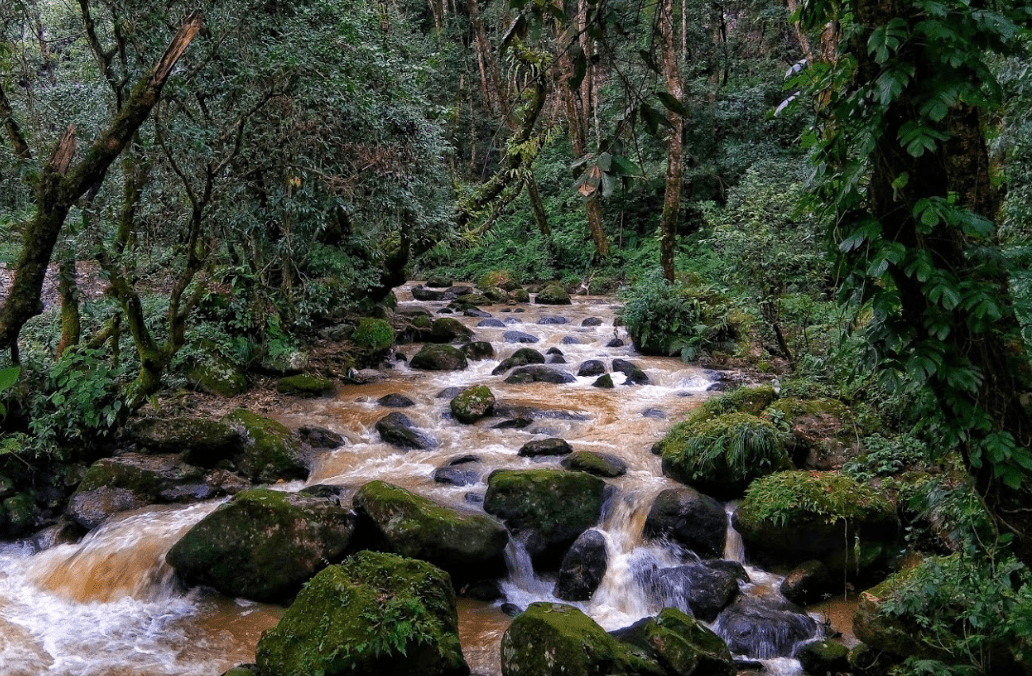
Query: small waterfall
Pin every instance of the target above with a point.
(523, 586)
(734, 548)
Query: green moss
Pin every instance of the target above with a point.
(790, 408)
(750, 400)
(721, 456)
(20, 510)
(829, 496)
(685, 646)
(374, 614)
(553, 294)
(222, 379)
(472, 404)
(305, 385)
(272, 452)
(372, 334)
(497, 278)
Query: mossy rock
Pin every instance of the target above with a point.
(472, 404)
(449, 330)
(145, 475)
(271, 451)
(821, 428)
(503, 279)
(262, 544)
(439, 358)
(553, 294)
(682, 645)
(801, 515)
(521, 357)
(374, 614)
(605, 382)
(305, 385)
(722, 456)
(222, 379)
(521, 296)
(593, 462)
(823, 657)
(550, 507)
(205, 441)
(553, 638)
(752, 400)
(883, 632)
(18, 514)
(373, 335)
(468, 546)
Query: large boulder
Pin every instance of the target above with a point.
(583, 567)
(808, 582)
(722, 456)
(594, 462)
(680, 644)
(89, 509)
(702, 588)
(547, 508)
(794, 516)
(472, 404)
(545, 447)
(270, 451)
(536, 373)
(521, 357)
(449, 330)
(466, 545)
(204, 440)
(592, 367)
(305, 385)
(552, 638)
(632, 374)
(823, 657)
(374, 614)
(398, 430)
(690, 519)
(439, 358)
(553, 294)
(761, 632)
(263, 544)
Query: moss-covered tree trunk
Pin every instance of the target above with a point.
(675, 146)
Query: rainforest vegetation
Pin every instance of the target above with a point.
(194, 195)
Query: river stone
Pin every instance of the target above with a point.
(420, 292)
(472, 404)
(537, 373)
(491, 324)
(554, 350)
(557, 359)
(594, 462)
(439, 358)
(519, 337)
(583, 567)
(592, 367)
(634, 375)
(206, 441)
(270, 451)
(468, 546)
(546, 508)
(699, 587)
(474, 312)
(553, 294)
(553, 638)
(262, 544)
(448, 330)
(439, 283)
(91, 508)
(395, 401)
(808, 582)
(374, 614)
(681, 645)
(615, 342)
(320, 437)
(553, 320)
(448, 393)
(823, 657)
(305, 385)
(571, 340)
(221, 378)
(688, 518)
(541, 447)
(456, 475)
(592, 321)
(761, 632)
(605, 382)
(521, 357)
(398, 430)
(478, 350)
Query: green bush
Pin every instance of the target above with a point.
(373, 334)
(784, 497)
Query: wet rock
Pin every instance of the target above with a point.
(364, 376)
(448, 330)
(703, 589)
(582, 568)
(654, 413)
(483, 590)
(605, 382)
(439, 358)
(634, 375)
(491, 323)
(615, 342)
(469, 546)
(64, 532)
(91, 508)
(593, 462)
(395, 401)
(521, 296)
(462, 460)
(592, 321)
(334, 492)
(762, 632)
(243, 670)
(544, 447)
(456, 476)
(557, 359)
(547, 508)
(478, 350)
(448, 393)
(552, 638)
(336, 626)
(823, 657)
(398, 430)
(422, 293)
(270, 451)
(474, 312)
(517, 423)
(553, 294)
(206, 441)
(681, 645)
(519, 337)
(511, 609)
(537, 373)
(262, 545)
(806, 583)
(553, 321)
(521, 357)
(320, 437)
(439, 283)
(688, 518)
(472, 404)
(571, 340)
(305, 385)
(592, 367)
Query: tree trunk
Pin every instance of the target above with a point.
(68, 288)
(675, 147)
(14, 133)
(61, 185)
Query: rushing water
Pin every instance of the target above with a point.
(110, 605)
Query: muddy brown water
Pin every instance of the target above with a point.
(110, 606)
